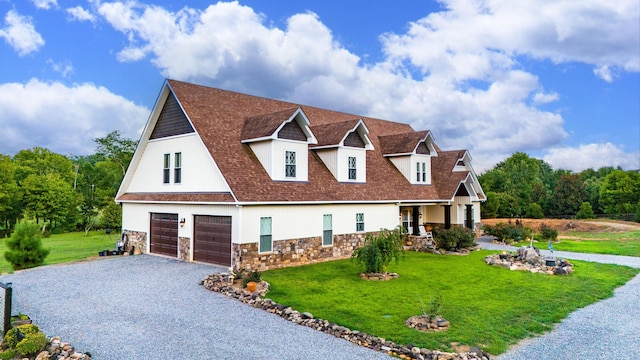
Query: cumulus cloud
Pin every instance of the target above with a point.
(45, 4)
(20, 33)
(78, 13)
(457, 72)
(63, 68)
(63, 118)
(592, 156)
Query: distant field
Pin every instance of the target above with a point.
(68, 247)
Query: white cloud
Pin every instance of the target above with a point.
(20, 33)
(78, 13)
(592, 156)
(62, 118)
(456, 72)
(45, 4)
(64, 68)
(604, 73)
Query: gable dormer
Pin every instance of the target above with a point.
(471, 182)
(411, 154)
(280, 141)
(343, 149)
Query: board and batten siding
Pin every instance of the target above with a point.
(199, 171)
(407, 166)
(337, 161)
(304, 221)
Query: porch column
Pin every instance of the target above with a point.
(416, 220)
(469, 216)
(447, 216)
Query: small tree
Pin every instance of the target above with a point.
(378, 251)
(25, 246)
(585, 212)
(535, 211)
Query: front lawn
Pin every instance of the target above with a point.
(615, 243)
(68, 247)
(487, 306)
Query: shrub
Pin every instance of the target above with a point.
(11, 337)
(25, 246)
(548, 233)
(508, 232)
(454, 238)
(535, 211)
(8, 354)
(32, 343)
(585, 212)
(379, 250)
(254, 276)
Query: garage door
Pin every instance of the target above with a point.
(164, 234)
(212, 239)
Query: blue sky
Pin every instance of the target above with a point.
(557, 79)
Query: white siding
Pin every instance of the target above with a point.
(343, 164)
(459, 208)
(199, 171)
(263, 151)
(303, 221)
(407, 165)
(302, 160)
(330, 159)
(432, 214)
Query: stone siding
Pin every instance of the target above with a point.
(137, 240)
(184, 248)
(295, 252)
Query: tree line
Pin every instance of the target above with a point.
(64, 193)
(522, 186)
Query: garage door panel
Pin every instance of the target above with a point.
(164, 234)
(212, 239)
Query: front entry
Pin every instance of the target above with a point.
(407, 219)
(164, 234)
(212, 239)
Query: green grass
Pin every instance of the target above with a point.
(68, 247)
(613, 243)
(487, 306)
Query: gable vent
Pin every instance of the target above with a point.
(354, 140)
(172, 120)
(292, 131)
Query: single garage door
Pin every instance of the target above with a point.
(164, 234)
(212, 239)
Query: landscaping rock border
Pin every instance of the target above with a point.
(421, 243)
(425, 324)
(529, 259)
(222, 283)
(379, 276)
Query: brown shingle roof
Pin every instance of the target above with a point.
(219, 118)
(264, 125)
(401, 143)
(332, 134)
(442, 174)
(182, 197)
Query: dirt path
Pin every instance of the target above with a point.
(568, 226)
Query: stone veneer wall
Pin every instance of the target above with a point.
(295, 252)
(184, 247)
(137, 240)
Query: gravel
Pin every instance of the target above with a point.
(608, 329)
(146, 307)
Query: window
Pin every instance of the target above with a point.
(266, 241)
(167, 165)
(421, 172)
(177, 168)
(290, 164)
(352, 168)
(359, 221)
(327, 230)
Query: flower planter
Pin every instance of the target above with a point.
(251, 286)
(17, 320)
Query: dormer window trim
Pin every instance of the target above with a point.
(298, 116)
(361, 128)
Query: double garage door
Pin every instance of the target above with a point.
(211, 237)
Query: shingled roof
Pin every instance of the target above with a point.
(223, 119)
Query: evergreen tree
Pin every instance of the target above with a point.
(25, 246)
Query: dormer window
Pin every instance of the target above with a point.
(290, 164)
(353, 174)
(421, 172)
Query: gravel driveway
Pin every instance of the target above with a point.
(608, 329)
(149, 307)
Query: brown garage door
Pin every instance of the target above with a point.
(212, 239)
(164, 234)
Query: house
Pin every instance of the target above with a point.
(238, 180)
